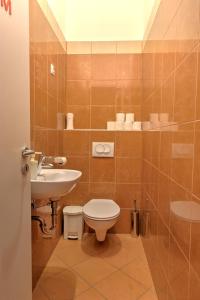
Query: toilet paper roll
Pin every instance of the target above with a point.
(154, 117)
(120, 117)
(130, 117)
(128, 125)
(111, 125)
(119, 125)
(60, 121)
(70, 121)
(137, 126)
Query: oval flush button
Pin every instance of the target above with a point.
(102, 149)
(107, 148)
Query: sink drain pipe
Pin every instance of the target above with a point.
(48, 232)
(54, 206)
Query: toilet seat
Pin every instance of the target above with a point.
(101, 209)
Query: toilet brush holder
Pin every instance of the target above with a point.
(135, 221)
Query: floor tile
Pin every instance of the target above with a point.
(149, 295)
(94, 270)
(119, 286)
(91, 294)
(54, 266)
(91, 246)
(72, 254)
(118, 257)
(133, 244)
(62, 243)
(38, 294)
(139, 271)
(64, 286)
(116, 269)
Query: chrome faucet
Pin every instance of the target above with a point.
(40, 162)
(44, 162)
(48, 162)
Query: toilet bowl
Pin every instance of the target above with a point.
(101, 215)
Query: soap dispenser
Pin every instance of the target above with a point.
(33, 167)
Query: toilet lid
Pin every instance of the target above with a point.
(101, 209)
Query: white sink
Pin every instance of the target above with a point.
(54, 183)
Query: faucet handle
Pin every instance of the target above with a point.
(27, 152)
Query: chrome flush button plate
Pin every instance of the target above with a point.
(102, 149)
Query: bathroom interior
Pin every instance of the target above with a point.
(114, 96)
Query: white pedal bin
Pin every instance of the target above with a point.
(73, 222)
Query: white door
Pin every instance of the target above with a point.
(15, 203)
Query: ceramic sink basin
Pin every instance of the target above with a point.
(54, 183)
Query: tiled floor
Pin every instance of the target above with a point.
(87, 270)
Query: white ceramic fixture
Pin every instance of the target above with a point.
(188, 211)
(54, 183)
(101, 215)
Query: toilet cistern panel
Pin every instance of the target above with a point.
(102, 149)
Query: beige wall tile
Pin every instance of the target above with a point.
(129, 144)
(105, 190)
(178, 272)
(182, 163)
(79, 196)
(127, 193)
(164, 198)
(100, 115)
(76, 143)
(129, 47)
(102, 169)
(103, 92)
(170, 66)
(78, 67)
(129, 92)
(103, 67)
(128, 66)
(81, 164)
(78, 92)
(196, 172)
(194, 286)
(128, 170)
(81, 116)
(195, 244)
(79, 47)
(185, 90)
(104, 47)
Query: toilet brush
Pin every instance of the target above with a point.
(135, 221)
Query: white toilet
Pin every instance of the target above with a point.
(101, 215)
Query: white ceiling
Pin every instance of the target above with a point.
(102, 20)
